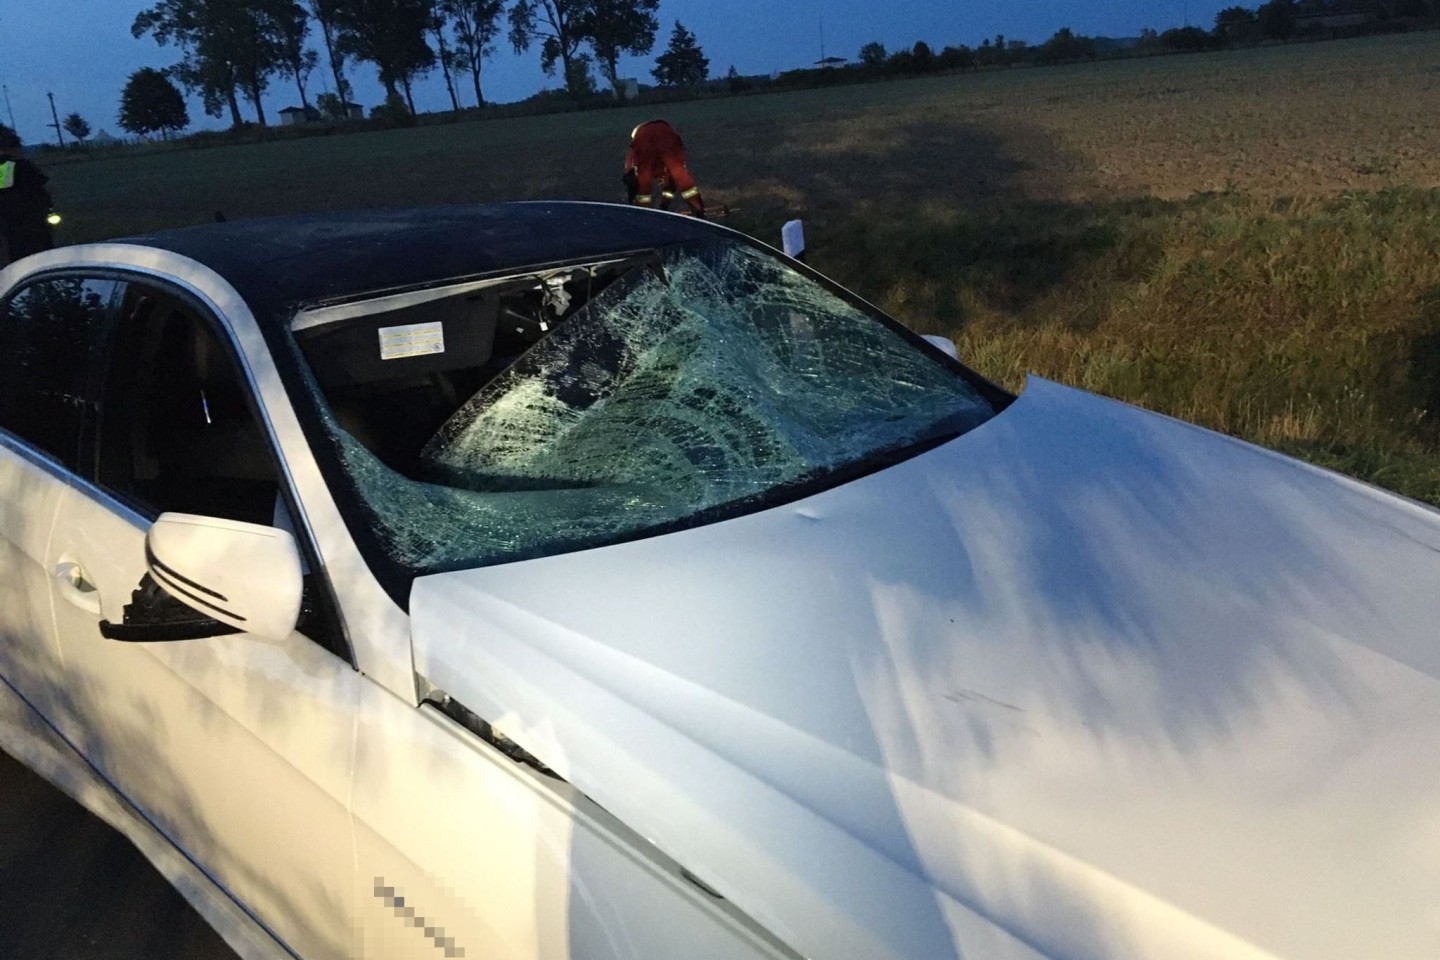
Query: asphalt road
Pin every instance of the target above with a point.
(71, 888)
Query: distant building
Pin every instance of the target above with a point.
(353, 111)
(104, 137)
(629, 88)
(294, 116)
(829, 63)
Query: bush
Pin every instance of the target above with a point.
(1189, 39)
(901, 61)
(956, 58)
(736, 83)
(1277, 19)
(393, 112)
(1066, 46)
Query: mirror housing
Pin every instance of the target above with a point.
(944, 344)
(244, 575)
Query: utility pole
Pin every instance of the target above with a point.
(58, 134)
(9, 109)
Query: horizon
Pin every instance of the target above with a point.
(41, 52)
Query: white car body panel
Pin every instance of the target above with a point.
(1086, 683)
(238, 748)
(29, 494)
(275, 785)
(29, 738)
(501, 862)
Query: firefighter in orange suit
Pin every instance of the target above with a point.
(657, 158)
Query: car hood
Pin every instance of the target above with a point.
(1086, 682)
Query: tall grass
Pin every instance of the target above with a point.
(1311, 326)
(1047, 219)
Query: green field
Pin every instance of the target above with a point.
(1246, 239)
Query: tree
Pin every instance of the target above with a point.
(76, 126)
(986, 54)
(683, 64)
(616, 27)
(324, 13)
(1189, 39)
(579, 82)
(1277, 19)
(331, 107)
(252, 31)
(873, 54)
(1066, 46)
(391, 35)
(439, 20)
(205, 68)
(956, 58)
(417, 68)
(293, 24)
(477, 25)
(1232, 17)
(393, 112)
(9, 139)
(557, 26)
(924, 56)
(227, 45)
(150, 104)
(901, 61)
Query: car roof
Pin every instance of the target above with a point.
(283, 263)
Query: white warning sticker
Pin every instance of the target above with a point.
(412, 340)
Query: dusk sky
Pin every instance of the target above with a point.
(82, 51)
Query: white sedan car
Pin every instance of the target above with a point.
(576, 582)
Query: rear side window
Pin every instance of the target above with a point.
(50, 332)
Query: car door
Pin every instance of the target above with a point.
(239, 749)
(49, 330)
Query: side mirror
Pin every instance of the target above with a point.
(246, 576)
(944, 344)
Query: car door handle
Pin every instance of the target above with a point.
(75, 588)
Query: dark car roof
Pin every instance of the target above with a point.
(278, 264)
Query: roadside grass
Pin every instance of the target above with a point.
(1246, 240)
(1310, 326)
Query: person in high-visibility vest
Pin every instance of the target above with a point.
(657, 159)
(26, 210)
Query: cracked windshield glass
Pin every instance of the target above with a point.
(582, 406)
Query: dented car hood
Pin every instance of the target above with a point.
(1083, 683)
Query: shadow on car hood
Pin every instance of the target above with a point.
(1084, 683)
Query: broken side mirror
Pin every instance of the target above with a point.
(227, 577)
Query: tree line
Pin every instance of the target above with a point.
(232, 51)
(1271, 21)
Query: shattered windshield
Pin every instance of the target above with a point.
(565, 412)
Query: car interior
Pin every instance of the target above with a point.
(176, 431)
(394, 404)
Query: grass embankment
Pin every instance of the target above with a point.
(1309, 326)
(1117, 226)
